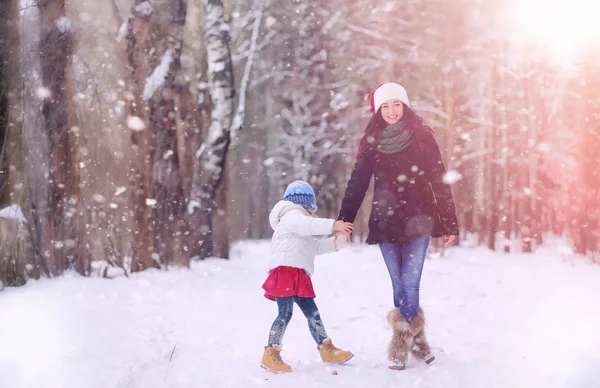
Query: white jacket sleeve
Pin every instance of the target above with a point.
(305, 225)
(325, 245)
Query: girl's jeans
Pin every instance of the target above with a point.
(286, 307)
(405, 265)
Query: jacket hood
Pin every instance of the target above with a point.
(280, 209)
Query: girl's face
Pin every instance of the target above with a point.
(392, 111)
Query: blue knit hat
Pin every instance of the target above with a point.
(300, 193)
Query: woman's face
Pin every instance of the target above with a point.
(392, 111)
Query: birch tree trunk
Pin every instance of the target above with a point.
(62, 233)
(213, 152)
(227, 216)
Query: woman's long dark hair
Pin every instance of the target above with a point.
(370, 139)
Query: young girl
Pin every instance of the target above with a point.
(292, 256)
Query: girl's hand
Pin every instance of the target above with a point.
(448, 239)
(338, 234)
(341, 240)
(343, 227)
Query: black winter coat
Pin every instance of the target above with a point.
(410, 199)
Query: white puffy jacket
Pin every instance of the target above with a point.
(295, 242)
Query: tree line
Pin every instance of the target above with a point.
(138, 134)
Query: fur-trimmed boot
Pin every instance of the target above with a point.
(420, 348)
(272, 361)
(407, 336)
(401, 341)
(330, 354)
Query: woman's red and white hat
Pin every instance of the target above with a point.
(386, 92)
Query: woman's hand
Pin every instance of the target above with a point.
(448, 239)
(345, 228)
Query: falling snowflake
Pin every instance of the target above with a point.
(98, 198)
(135, 123)
(544, 147)
(192, 205)
(270, 22)
(151, 202)
(452, 177)
(43, 93)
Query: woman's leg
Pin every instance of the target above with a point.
(286, 308)
(311, 312)
(413, 258)
(405, 321)
(392, 255)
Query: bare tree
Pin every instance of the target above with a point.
(62, 231)
(13, 255)
(10, 104)
(586, 230)
(154, 45)
(213, 152)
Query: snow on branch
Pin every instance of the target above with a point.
(238, 119)
(158, 77)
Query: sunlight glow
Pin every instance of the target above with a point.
(564, 27)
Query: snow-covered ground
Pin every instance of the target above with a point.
(496, 320)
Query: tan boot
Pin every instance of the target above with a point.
(272, 361)
(331, 354)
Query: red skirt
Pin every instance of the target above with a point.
(288, 281)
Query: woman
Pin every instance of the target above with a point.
(411, 204)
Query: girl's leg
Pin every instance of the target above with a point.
(328, 351)
(413, 258)
(392, 255)
(286, 308)
(311, 312)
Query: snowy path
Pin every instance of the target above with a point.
(502, 321)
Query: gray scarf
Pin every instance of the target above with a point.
(395, 138)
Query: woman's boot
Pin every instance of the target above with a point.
(420, 347)
(401, 341)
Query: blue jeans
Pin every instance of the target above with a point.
(286, 308)
(405, 265)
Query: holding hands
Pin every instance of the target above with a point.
(341, 227)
